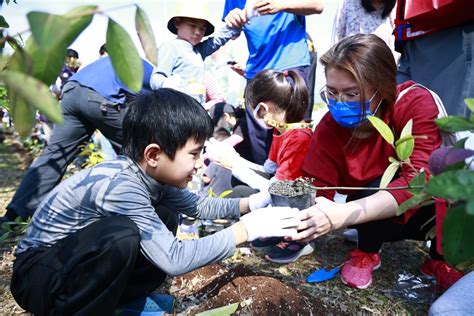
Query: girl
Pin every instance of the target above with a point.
(278, 101)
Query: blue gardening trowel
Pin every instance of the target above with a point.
(322, 275)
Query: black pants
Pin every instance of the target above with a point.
(89, 272)
(373, 234)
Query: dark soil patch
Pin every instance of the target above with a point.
(257, 294)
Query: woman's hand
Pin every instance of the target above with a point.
(319, 219)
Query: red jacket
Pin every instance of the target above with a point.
(334, 159)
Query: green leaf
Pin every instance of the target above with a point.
(27, 93)
(221, 311)
(405, 148)
(470, 104)
(454, 124)
(124, 56)
(418, 181)
(382, 128)
(388, 174)
(412, 202)
(393, 160)
(457, 236)
(146, 35)
(23, 115)
(406, 131)
(3, 22)
(470, 207)
(452, 185)
(225, 193)
(47, 60)
(46, 28)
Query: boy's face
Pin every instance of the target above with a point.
(191, 30)
(180, 171)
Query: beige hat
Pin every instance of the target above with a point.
(186, 10)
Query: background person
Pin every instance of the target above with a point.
(276, 39)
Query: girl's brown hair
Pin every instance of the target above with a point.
(370, 61)
(286, 90)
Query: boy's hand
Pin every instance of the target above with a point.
(271, 222)
(236, 18)
(259, 200)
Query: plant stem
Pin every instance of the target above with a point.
(365, 188)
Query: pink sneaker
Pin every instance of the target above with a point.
(357, 271)
(445, 274)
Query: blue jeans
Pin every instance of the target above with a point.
(457, 300)
(84, 111)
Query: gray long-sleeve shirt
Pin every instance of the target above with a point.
(121, 188)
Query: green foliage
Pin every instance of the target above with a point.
(37, 65)
(382, 128)
(146, 36)
(455, 185)
(455, 124)
(388, 174)
(221, 311)
(90, 155)
(458, 239)
(124, 56)
(3, 22)
(33, 146)
(16, 228)
(4, 101)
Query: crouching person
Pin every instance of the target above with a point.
(106, 236)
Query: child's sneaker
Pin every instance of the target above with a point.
(154, 304)
(286, 252)
(357, 271)
(264, 244)
(445, 274)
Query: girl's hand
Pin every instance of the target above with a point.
(319, 219)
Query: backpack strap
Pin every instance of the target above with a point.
(448, 138)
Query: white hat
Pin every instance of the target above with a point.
(186, 10)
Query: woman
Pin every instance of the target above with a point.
(347, 151)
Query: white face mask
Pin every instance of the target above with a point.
(261, 120)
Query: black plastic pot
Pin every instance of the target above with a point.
(301, 202)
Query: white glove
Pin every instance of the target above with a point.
(259, 200)
(271, 222)
(174, 82)
(223, 153)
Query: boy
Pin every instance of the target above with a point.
(181, 61)
(105, 236)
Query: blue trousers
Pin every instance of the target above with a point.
(84, 111)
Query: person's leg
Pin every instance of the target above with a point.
(48, 169)
(241, 191)
(457, 300)
(84, 274)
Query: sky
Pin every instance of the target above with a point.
(159, 12)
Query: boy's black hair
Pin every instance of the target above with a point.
(72, 53)
(165, 117)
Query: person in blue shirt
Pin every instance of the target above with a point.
(94, 98)
(276, 39)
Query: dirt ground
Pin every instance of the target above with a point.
(260, 287)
